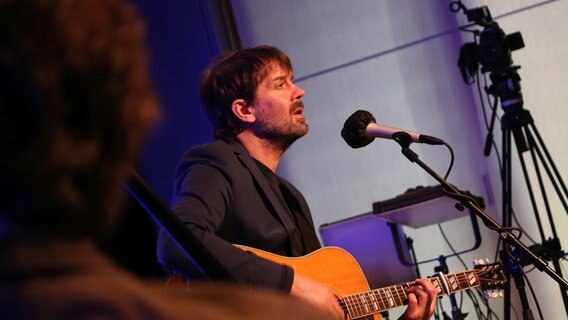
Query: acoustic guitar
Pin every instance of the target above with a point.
(339, 270)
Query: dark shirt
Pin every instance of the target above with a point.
(307, 236)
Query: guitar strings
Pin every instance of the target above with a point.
(359, 304)
(357, 307)
(354, 301)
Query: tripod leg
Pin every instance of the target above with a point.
(554, 175)
(530, 146)
(509, 262)
(506, 193)
(520, 123)
(555, 251)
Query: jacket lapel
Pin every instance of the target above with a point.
(251, 165)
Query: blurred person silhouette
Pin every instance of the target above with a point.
(76, 101)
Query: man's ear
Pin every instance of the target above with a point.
(242, 110)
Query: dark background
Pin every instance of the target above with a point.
(182, 37)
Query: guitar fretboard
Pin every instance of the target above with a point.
(374, 301)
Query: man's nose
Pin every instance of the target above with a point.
(299, 92)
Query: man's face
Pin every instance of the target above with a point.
(279, 109)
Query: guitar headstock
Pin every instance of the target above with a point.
(491, 277)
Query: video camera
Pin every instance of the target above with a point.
(494, 49)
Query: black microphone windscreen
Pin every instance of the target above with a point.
(354, 129)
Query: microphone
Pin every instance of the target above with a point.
(361, 128)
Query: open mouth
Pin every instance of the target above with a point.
(298, 108)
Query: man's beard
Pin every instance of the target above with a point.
(283, 132)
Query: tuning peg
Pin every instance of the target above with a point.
(493, 293)
(480, 261)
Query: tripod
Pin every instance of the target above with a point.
(518, 123)
(404, 139)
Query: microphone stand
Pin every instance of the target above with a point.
(404, 141)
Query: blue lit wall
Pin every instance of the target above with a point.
(178, 36)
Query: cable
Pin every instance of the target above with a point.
(533, 294)
(473, 299)
(451, 160)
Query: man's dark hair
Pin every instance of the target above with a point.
(75, 103)
(233, 76)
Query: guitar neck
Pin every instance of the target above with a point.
(374, 301)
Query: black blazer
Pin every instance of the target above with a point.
(224, 199)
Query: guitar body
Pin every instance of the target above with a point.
(332, 266)
(337, 269)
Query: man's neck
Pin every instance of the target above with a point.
(262, 150)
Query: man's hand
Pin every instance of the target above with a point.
(316, 294)
(421, 301)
